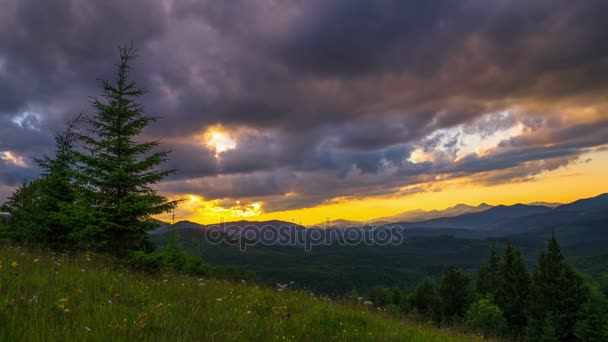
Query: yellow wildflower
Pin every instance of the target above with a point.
(14, 264)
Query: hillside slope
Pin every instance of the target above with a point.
(47, 297)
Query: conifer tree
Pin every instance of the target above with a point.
(117, 171)
(454, 292)
(22, 211)
(556, 295)
(425, 299)
(592, 324)
(36, 207)
(57, 189)
(488, 277)
(513, 289)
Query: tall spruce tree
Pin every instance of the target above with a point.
(513, 289)
(117, 171)
(488, 278)
(556, 295)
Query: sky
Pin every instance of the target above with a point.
(307, 110)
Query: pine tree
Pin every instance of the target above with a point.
(488, 277)
(556, 289)
(117, 172)
(453, 292)
(513, 289)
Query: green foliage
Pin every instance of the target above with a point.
(454, 293)
(513, 289)
(425, 299)
(486, 317)
(236, 273)
(381, 296)
(172, 258)
(22, 207)
(592, 324)
(488, 278)
(556, 295)
(115, 171)
(36, 208)
(145, 262)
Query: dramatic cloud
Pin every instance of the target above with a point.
(317, 100)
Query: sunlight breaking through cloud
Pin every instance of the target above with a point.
(219, 140)
(13, 158)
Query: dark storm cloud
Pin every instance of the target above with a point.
(325, 98)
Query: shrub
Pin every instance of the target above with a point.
(232, 273)
(381, 296)
(486, 317)
(425, 300)
(195, 266)
(149, 263)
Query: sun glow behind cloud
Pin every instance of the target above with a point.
(13, 158)
(219, 140)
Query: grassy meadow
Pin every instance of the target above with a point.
(46, 296)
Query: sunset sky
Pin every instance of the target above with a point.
(307, 110)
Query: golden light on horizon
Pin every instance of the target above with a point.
(589, 178)
(195, 208)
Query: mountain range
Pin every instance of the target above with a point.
(463, 221)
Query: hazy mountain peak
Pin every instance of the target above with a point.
(418, 215)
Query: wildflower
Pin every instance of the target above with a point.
(109, 301)
(67, 310)
(35, 260)
(248, 311)
(87, 328)
(82, 270)
(219, 299)
(14, 264)
(63, 300)
(141, 319)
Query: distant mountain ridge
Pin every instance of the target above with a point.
(423, 215)
(460, 220)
